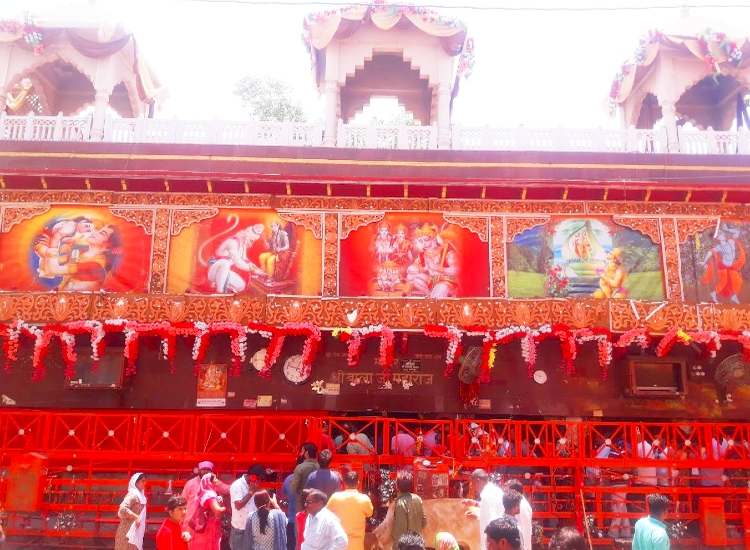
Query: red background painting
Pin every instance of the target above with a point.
(357, 267)
(18, 272)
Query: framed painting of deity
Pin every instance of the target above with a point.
(234, 251)
(585, 258)
(414, 254)
(75, 248)
(713, 263)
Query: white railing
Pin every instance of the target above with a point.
(383, 136)
(44, 128)
(559, 139)
(370, 136)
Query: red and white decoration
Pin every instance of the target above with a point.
(708, 343)
(355, 338)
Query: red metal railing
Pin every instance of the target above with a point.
(565, 465)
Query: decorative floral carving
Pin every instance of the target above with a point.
(465, 313)
(13, 215)
(516, 226)
(224, 200)
(724, 317)
(331, 256)
(647, 226)
(185, 218)
(664, 209)
(497, 256)
(507, 207)
(351, 203)
(57, 197)
(62, 307)
(352, 222)
(312, 222)
(671, 260)
(140, 216)
(478, 226)
(656, 317)
(354, 312)
(160, 247)
(690, 226)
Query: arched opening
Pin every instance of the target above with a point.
(387, 75)
(650, 112)
(64, 88)
(120, 101)
(711, 102)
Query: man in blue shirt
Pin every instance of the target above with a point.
(650, 532)
(325, 479)
(291, 513)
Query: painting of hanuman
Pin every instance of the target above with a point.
(435, 270)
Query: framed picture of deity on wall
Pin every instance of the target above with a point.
(76, 248)
(600, 258)
(409, 254)
(713, 261)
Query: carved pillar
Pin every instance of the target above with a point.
(332, 100)
(669, 116)
(101, 102)
(444, 116)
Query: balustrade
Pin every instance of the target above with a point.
(371, 136)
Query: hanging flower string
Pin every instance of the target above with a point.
(355, 338)
(729, 48)
(238, 343)
(638, 336)
(10, 334)
(454, 348)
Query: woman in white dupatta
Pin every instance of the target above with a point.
(132, 515)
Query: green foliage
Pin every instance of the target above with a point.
(522, 258)
(269, 99)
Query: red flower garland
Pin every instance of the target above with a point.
(10, 334)
(356, 338)
(455, 346)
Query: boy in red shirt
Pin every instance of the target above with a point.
(170, 535)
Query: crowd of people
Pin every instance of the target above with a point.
(326, 511)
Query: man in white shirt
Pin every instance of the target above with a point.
(241, 495)
(524, 515)
(323, 530)
(490, 502)
(645, 476)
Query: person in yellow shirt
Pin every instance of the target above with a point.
(352, 508)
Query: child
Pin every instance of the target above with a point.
(170, 535)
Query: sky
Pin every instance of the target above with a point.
(533, 68)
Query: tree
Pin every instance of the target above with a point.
(398, 118)
(269, 99)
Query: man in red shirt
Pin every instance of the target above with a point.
(170, 535)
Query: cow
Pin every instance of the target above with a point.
(443, 514)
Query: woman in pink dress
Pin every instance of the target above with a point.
(210, 538)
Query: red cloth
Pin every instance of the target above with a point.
(327, 443)
(301, 518)
(169, 536)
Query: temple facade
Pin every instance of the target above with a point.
(172, 290)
